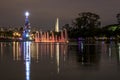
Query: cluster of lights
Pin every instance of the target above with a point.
(16, 34)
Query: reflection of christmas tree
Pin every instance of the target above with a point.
(27, 58)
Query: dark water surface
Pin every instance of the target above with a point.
(59, 61)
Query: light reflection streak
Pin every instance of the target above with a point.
(109, 51)
(103, 47)
(57, 56)
(51, 50)
(13, 50)
(37, 52)
(16, 51)
(119, 53)
(27, 59)
(47, 49)
(1, 44)
(41, 51)
(63, 50)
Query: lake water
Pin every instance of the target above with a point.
(59, 61)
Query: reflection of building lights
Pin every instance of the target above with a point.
(13, 50)
(1, 46)
(16, 51)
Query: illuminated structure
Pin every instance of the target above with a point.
(57, 26)
(52, 36)
(26, 31)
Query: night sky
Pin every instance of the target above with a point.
(43, 13)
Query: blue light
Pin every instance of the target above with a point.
(27, 59)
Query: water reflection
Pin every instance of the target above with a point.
(1, 49)
(88, 53)
(37, 52)
(118, 53)
(27, 58)
(16, 51)
(59, 58)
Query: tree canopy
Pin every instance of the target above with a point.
(118, 18)
(87, 20)
(88, 24)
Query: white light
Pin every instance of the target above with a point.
(27, 13)
(27, 35)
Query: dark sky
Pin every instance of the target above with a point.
(44, 12)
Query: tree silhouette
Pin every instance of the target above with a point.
(118, 18)
(87, 20)
(87, 23)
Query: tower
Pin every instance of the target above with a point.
(26, 31)
(57, 26)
